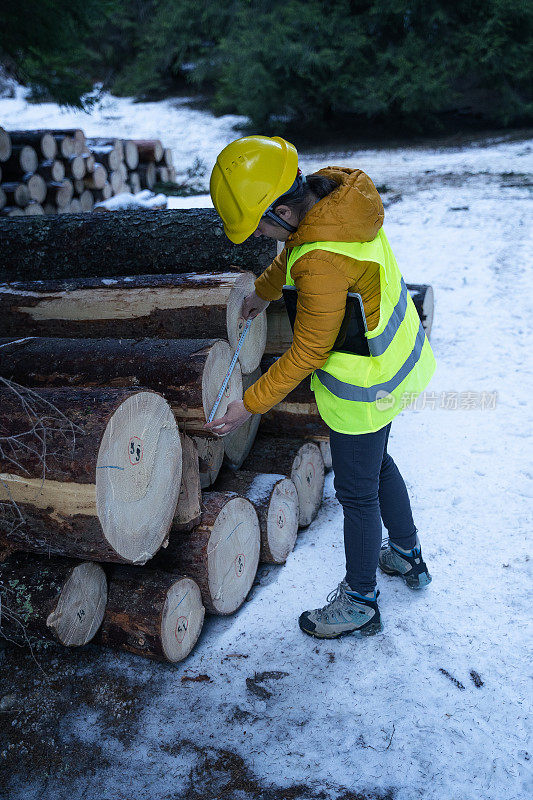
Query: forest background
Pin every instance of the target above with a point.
(413, 65)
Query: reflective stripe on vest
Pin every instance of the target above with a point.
(350, 391)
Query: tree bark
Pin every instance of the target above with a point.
(51, 598)
(300, 461)
(106, 485)
(221, 554)
(188, 372)
(152, 614)
(164, 306)
(125, 243)
(275, 500)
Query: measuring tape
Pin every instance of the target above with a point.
(230, 370)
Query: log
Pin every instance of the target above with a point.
(107, 155)
(59, 194)
(147, 175)
(210, 457)
(5, 145)
(110, 486)
(275, 500)
(3, 198)
(131, 154)
(168, 157)
(101, 141)
(238, 444)
(161, 174)
(102, 194)
(188, 509)
(152, 614)
(16, 194)
(254, 345)
(296, 415)
(149, 150)
(89, 161)
(42, 141)
(300, 461)
(76, 135)
(86, 200)
(134, 182)
(116, 180)
(74, 206)
(75, 167)
(51, 170)
(189, 372)
(36, 186)
(96, 179)
(163, 306)
(51, 598)
(222, 552)
(34, 209)
(22, 159)
(125, 243)
(65, 145)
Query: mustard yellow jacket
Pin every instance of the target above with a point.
(351, 213)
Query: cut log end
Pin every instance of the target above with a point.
(308, 476)
(182, 619)
(188, 509)
(238, 444)
(210, 456)
(81, 605)
(282, 523)
(216, 367)
(254, 344)
(232, 555)
(138, 476)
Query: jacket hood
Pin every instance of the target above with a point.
(351, 213)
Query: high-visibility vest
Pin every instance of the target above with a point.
(361, 394)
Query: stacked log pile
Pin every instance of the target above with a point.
(132, 499)
(61, 171)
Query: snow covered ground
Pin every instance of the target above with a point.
(435, 707)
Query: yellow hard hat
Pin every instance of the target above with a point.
(249, 175)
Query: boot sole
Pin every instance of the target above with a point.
(407, 582)
(370, 630)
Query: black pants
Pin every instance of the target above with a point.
(370, 488)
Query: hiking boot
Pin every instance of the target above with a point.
(346, 612)
(408, 564)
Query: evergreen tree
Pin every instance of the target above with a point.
(45, 44)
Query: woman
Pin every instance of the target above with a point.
(331, 223)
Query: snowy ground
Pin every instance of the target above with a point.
(399, 715)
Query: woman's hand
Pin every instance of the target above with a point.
(234, 417)
(252, 305)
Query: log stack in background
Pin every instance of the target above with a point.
(61, 171)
